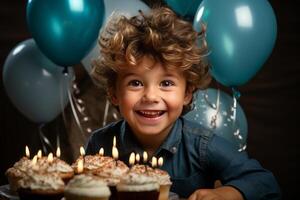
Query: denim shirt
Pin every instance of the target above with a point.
(194, 157)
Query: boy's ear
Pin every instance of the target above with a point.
(112, 96)
(188, 95)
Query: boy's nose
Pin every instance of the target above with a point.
(151, 94)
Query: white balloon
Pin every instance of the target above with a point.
(127, 8)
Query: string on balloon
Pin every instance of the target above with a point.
(77, 105)
(235, 96)
(44, 140)
(213, 121)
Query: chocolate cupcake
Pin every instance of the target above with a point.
(136, 186)
(58, 166)
(161, 176)
(87, 187)
(112, 172)
(36, 186)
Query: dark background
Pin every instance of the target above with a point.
(270, 100)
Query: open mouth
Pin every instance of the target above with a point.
(150, 114)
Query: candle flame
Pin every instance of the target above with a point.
(50, 157)
(39, 154)
(132, 159)
(137, 158)
(27, 152)
(115, 153)
(82, 151)
(34, 160)
(114, 141)
(80, 166)
(145, 156)
(160, 161)
(101, 151)
(154, 162)
(58, 152)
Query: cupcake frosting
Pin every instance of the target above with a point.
(41, 181)
(137, 182)
(87, 185)
(161, 176)
(57, 165)
(93, 162)
(112, 171)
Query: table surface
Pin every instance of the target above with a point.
(5, 193)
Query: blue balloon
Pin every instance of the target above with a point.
(65, 30)
(223, 120)
(186, 9)
(240, 35)
(35, 85)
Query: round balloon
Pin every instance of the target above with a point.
(127, 8)
(186, 9)
(65, 30)
(240, 35)
(215, 110)
(35, 85)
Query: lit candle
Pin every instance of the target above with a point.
(34, 160)
(145, 157)
(80, 166)
(58, 152)
(132, 159)
(160, 162)
(114, 141)
(50, 157)
(27, 152)
(145, 160)
(82, 151)
(154, 162)
(101, 151)
(115, 154)
(39, 154)
(137, 158)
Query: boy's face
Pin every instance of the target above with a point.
(150, 99)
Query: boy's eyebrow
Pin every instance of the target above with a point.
(128, 74)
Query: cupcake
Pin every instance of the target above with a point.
(161, 176)
(136, 186)
(58, 166)
(112, 172)
(86, 187)
(16, 173)
(36, 186)
(164, 182)
(92, 162)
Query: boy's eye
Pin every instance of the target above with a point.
(166, 83)
(135, 83)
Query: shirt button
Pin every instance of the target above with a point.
(174, 149)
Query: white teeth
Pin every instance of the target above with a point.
(150, 112)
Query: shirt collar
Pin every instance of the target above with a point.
(171, 143)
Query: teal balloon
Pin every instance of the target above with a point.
(220, 119)
(186, 9)
(34, 84)
(240, 35)
(65, 30)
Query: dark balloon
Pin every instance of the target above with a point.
(65, 30)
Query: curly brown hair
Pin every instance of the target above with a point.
(160, 34)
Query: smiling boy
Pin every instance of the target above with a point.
(150, 66)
